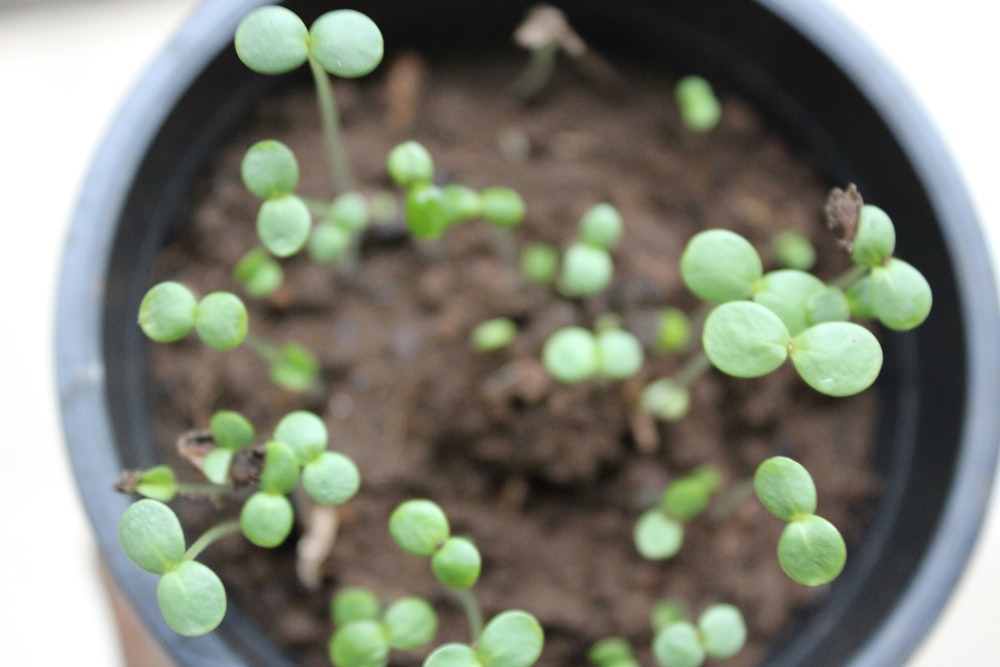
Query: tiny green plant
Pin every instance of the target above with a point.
(699, 108)
(572, 355)
(811, 550)
(366, 633)
(720, 633)
(659, 532)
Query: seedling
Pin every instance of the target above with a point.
(366, 634)
(510, 639)
(572, 355)
(493, 334)
(659, 532)
(696, 101)
(811, 550)
(720, 634)
(169, 312)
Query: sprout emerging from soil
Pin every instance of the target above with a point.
(811, 550)
(366, 633)
(659, 532)
(700, 109)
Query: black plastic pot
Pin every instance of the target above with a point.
(811, 77)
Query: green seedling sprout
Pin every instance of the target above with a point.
(612, 652)
(365, 634)
(345, 43)
(511, 639)
(793, 250)
(699, 108)
(169, 312)
(720, 634)
(573, 355)
(493, 334)
(258, 273)
(811, 550)
(539, 263)
(673, 330)
(230, 432)
(191, 597)
(659, 532)
(587, 267)
(420, 527)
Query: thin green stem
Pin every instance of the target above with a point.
(473, 612)
(265, 350)
(852, 275)
(692, 369)
(342, 180)
(214, 533)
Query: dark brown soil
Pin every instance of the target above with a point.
(547, 480)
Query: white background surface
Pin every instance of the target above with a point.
(64, 69)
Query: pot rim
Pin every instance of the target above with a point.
(79, 348)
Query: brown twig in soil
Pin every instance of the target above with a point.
(544, 33)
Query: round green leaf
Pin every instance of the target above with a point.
(231, 430)
(221, 320)
(811, 551)
(349, 211)
(673, 331)
(828, 305)
(570, 355)
(167, 312)
(745, 339)
(294, 368)
(410, 164)
(493, 334)
(216, 465)
(511, 639)
(463, 202)
(419, 527)
(612, 652)
(151, 536)
(280, 473)
(267, 518)
(331, 478)
(719, 265)
(666, 400)
(328, 242)
(601, 226)
(453, 655)
(900, 295)
(678, 645)
(586, 270)
(723, 631)
(875, 238)
(304, 432)
(794, 250)
(686, 497)
(837, 358)
(667, 612)
(258, 273)
(192, 599)
(269, 169)
(283, 225)
(539, 263)
(657, 536)
(502, 207)
(346, 43)
(785, 488)
(787, 293)
(272, 40)
(619, 354)
(355, 603)
(410, 623)
(696, 101)
(158, 483)
(427, 211)
(457, 563)
(360, 644)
